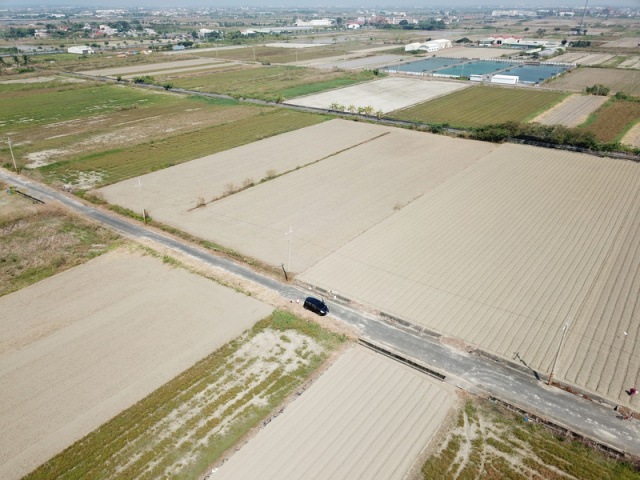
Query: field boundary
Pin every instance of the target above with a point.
(402, 359)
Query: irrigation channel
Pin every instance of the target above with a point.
(475, 372)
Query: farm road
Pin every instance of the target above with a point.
(476, 374)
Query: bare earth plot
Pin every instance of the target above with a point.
(293, 45)
(80, 347)
(502, 254)
(387, 94)
(627, 42)
(572, 111)
(366, 417)
(171, 193)
(632, 138)
(616, 79)
(366, 62)
(200, 68)
(372, 172)
(631, 62)
(584, 58)
(177, 65)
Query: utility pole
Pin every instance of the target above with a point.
(290, 234)
(564, 332)
(12, 157)
(144, 215)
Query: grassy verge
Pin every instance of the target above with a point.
(188, 423)
(490, 442)
(120, 164)
(612, 120)
(37, 242)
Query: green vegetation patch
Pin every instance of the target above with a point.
(274, 83)
(185, 425)
(37, 242)
(489, 442)
(65, 103)
(481, 105)
(117, 165)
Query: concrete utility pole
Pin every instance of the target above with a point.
(12, 157)
(290, 234)
(583, 15)
(144, 215)
(564, 332)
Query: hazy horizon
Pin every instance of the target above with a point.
(350, 4)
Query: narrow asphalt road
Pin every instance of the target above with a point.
(468, 371)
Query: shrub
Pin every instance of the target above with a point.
(597, 90)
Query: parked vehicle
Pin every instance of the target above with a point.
(316, 306)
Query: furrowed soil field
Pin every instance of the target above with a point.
(572, 111)
(176, 65)
(478, 106)
(269, 83)
(80, 347)
(384, 95)
(277, 55)
(367, 173)
(79, 63)
(613, 119)
(366, 417)
(615, 79)
(584, 58)
(504, 253)
(115, 165)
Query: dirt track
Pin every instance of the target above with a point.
(80, 347)
(366, 417)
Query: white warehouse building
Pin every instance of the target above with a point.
(430, 46)
(81, 50)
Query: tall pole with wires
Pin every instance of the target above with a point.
(12, 157)
(290, 234)
(555, 362)
(144, 215)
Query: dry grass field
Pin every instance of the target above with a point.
(584, 58)
(80, 347)
(613, 119)
(572, 111)
(387, 94)
(617, 80)
(366, 174)
(366, 417)
(504, 253)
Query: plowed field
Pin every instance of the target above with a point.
(573, 111)
(367, 173)
(617, 80)
(366, 417)
(80, 347)
(504, 253)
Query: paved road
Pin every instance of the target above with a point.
(470, 372)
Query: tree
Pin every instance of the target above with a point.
(564, 42)
(25, 60)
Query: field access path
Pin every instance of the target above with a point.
(477, 374)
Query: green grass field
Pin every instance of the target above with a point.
(39, 106)
(482, 105)
(184, 426)
(270, 82)
(116, 165)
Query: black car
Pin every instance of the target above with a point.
(316, 306)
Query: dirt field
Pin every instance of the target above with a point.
(504, 253)
(626, 42)
(632, 138)
(584, 58)
(81, 346)
(571, 112)
(144, 69)
(387, 94)
(366, 417)
(367, 174)
(617, 80)
(198, 69)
